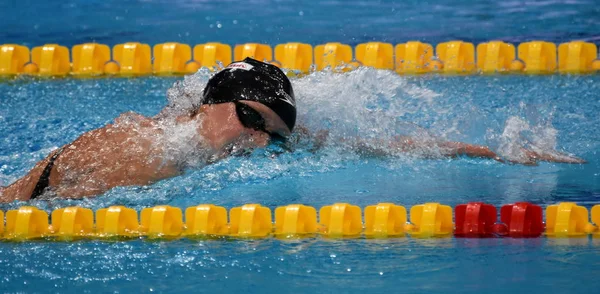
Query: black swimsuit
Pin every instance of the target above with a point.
(44, 180)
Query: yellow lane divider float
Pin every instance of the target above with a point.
(413, 57)
(457, 57)
(578, 57)
(161, 221)
(26, 223)
(206, 219)
(336, 56)
(13, 59)
(538, 57)
(375, 54)
(431, 220)
(131, 59)
(171, 58)
(340, 220)
(117, 221)
(261, 52)
(495, 57)
(210, 55)
(51, 60)
(295, 220)
(90, 59)
(567, 219)
(250, 220)
(296, 56)
(385, 220)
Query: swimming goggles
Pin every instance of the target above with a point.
(252, 119)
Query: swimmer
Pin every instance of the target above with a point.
(245, 106)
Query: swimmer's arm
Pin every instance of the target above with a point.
(432, 149)
(425, 149)
(455, 149)
(317, 139)
(532, 157)
(403, 144)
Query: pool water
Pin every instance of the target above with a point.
(552, 112)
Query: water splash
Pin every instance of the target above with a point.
(364, 102)
(186, 95)
(533, 132)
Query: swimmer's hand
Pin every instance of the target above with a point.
(534, 155)
(531, 156)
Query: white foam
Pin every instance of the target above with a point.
(369, 104)
(182, 144)
(186, 95)
(520, 135)
(366, 101)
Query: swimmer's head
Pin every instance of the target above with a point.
(254, 81)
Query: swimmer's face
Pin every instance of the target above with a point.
(273, 123)
(222, 126)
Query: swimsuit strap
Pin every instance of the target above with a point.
(44, 180)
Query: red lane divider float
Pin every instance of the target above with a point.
(476, 220)
(524, 220)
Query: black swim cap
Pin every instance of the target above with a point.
(254, 81)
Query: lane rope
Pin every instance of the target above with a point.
(339, 220)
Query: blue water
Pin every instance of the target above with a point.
(557, 112)
(34, 22)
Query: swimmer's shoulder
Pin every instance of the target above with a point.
(131, 118)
